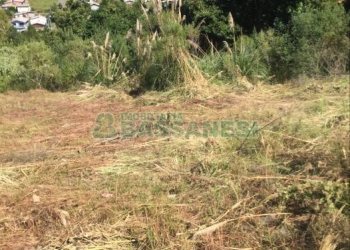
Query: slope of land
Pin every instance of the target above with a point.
(285, 189)
(42, 5)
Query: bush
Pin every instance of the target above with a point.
(315, 42)
(4, 26)
(313, 197)
(211, 18)
(74, 16)
(9, 66)
(246, 58)
(75, 66)
(114, 17)
(36, 68)
(281, 57)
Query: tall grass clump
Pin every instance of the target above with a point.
(248, 59)
(110, 65)
(245, 57)
(163, 45)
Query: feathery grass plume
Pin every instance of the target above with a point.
(145, 12)
(163, 57)
(157, 6)
(227, 47)
(329, 243)
(107, 42)
(110, 66)
(231, 21)
(138, 26)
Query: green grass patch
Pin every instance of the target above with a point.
(42, 5)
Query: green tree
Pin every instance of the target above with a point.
(9, 66)
(314, 42)
(72, 59)
(114, 17)
(73, 16)
(210, 18)
(250, 15)
(36, 68)
(4, 26)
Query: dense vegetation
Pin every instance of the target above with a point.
(266, 41)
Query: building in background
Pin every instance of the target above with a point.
(20, 23)
(38, 22)
(24, 16)
(13, 4)
(23, 8)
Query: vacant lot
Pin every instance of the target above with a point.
(285, 189)
(42, 5)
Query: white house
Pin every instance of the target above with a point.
(94, 5)
(20, 23)
(129, 1)
(39, 22)
(164, 2)
(12, 4)
(23, 8)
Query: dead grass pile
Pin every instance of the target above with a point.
(88, 93)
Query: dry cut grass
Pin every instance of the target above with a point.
(285, 189)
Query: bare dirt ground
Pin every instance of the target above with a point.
(61, 188)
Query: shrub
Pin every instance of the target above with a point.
(211, 18)
(317, 196)
(9, 66)
(36, 68)
(114, 17)
(4, 25)
(74, 16)
(315, 42)
(213, 65)
(75, 66)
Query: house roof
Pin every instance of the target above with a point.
(14, 3)
(23, 5)
(20, 19)
(41, 20)
(29, 14)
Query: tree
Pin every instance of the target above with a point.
(4, 26)
(114, 17)
(313, 42)
(36, 68)
(211, 18)
(250, 15)
(73, 16)
(9, 66)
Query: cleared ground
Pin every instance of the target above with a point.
(286, 189)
